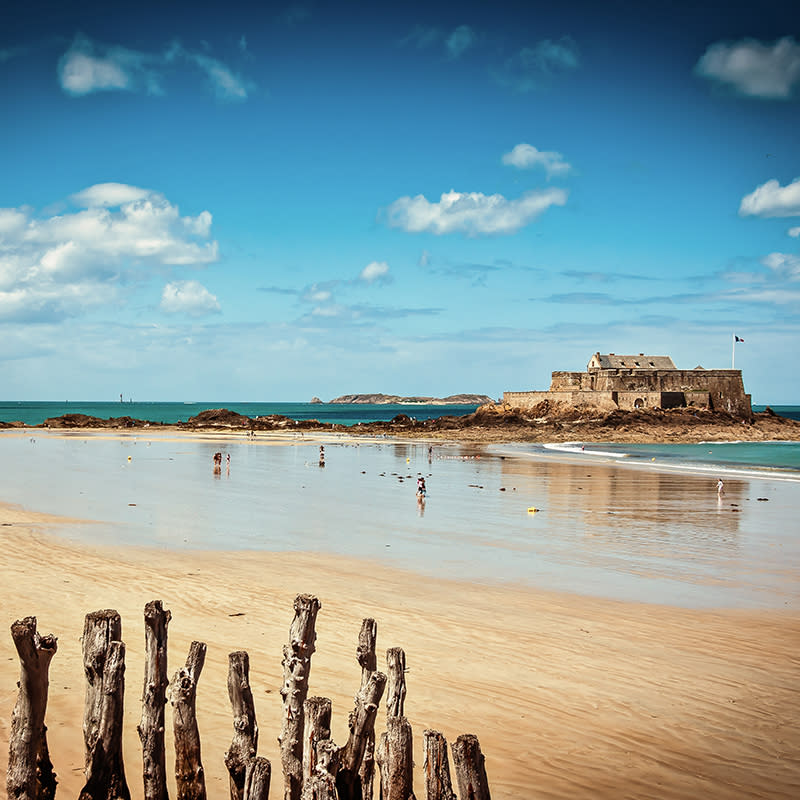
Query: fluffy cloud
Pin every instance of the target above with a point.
(754, 68)
(772, 200)
(52, 267)
(795, 232)
(472, 213)
(532, 67)
(93, 67)
(188, 297)
(526, 156)
(375, 271)
(459, 41)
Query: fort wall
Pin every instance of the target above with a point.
(717, 390)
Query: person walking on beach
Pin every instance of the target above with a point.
(421, 488)
(321, 456)
(720, 488)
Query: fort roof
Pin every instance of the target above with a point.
(640, 361)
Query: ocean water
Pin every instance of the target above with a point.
(599, 527)
(36, 412)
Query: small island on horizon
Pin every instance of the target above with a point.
(393, 399)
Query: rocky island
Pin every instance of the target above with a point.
(388, 399)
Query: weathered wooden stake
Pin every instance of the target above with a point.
(189, 775)
(296, 668)
(396, 684)
(367, 658)
(362, 722)
(316, 728)
(30, 773)
(245, 730)
(257, 779)
(321, 784)
(396, 760)
(104, 665)
(436, 767)
(154, 699)
(470, 768)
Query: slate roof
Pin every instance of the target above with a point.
(640, 361)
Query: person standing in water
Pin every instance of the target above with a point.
(720, 488)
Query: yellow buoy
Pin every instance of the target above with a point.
(129, 458)
(532, 510)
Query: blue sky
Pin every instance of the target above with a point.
(215, 202)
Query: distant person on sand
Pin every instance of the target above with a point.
(421, 489)
(720, 487)
(217, 463)
(321, 456)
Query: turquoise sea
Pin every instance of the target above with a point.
(36, 412)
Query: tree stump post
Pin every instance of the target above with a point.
(104, 665)
(321, 784)
(396, 684)
(316, 728)
(257, 779)
(296, 668)
(30, 774)
(362, 722)
(244, 745)
(436, 767)
(154, 700)
(367, 657)
(470, 768)
(189, 774)
(396, 760)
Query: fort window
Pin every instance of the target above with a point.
(638, 403)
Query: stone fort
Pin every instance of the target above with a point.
(641, 381)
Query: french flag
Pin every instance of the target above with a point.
(737, 339)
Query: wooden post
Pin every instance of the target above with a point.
(367, 658)
(189, 775)
(396, 760)
(470, 768)
(362, 722)
(296, 668)
(396, 685)
(321, 784)
(154, 699)
(436, 767)
(30, 774)
(244, 745)
(316, 728)
(104, 665)
(257, 779)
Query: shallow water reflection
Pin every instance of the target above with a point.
(599, 528)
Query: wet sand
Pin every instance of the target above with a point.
(571, 695)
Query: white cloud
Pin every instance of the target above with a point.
(526, 156)
(754, 68)
(459, 41)
(784, 265)
(472, 213)
(795, 232)
(375, 271)
(65, 264)
(92, 67)
(108, 195)
(532, 67)
(188, 297)
(772, 200)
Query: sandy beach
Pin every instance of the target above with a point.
(570, 694)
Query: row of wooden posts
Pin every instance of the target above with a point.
(313, 766)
